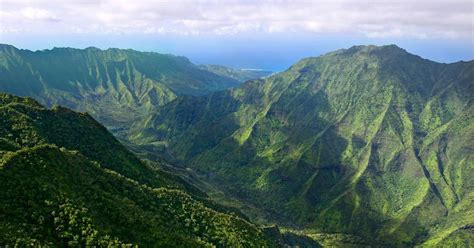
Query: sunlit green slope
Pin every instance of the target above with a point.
(371, 141)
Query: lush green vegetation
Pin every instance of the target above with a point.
(67, 182)
(241, 75)
(370, 141)
(362, 146)
(115, 86)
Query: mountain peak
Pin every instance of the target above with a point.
(3, 46)
(93, 48)
(387, 55)
(7, 48)
(375, 47)
(382, 52)
(385, 50)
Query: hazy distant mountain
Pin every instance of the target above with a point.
(240, 75)
(371, 141)
(114, 85)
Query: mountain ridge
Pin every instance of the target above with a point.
(370, 142)
(116, 86)
(65, 191)
(313, 141)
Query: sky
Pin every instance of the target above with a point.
(268, 35)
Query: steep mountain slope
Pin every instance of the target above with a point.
(240, 75)
(25, 123)
(67, 182)
(116, 86)
(371, 141)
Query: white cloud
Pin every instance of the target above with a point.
(400, 18)
(37, 14)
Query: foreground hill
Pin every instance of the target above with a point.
(116, 86)
(240, 75)
(371, 141)
(67, 182)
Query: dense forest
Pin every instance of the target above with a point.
(67, 182)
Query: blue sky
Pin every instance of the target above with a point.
(243, 34)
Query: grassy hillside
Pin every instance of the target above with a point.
(371, 141)
(115, 86)
(67, 182)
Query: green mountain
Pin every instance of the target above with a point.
(241, 75)
(115, 86)
(67, 182)
(370, 141)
